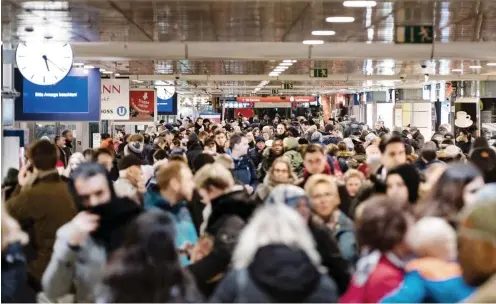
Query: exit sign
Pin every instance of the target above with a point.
(414, 34)
(319, 73)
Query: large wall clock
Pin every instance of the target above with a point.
(44, 63)
(166, 91)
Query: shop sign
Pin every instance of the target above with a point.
(276, 99)
(142, 105)
(114, 99)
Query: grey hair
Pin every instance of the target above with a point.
(433, 237)
(274, 224)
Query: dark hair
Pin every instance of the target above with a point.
(209, 142)
(87, 170)
(144, 261)
(217, 132)
(235, 140)
(342, 146)
(383, 224)
(56, 138)
(64, 134)
(446, 197)
(480, 142)
(146, 139)
(105, 136)
(303, 141)
(44, 155)
(160, 154)
(177, 157)
(201, 160)
(411, 179)
(313, 148)
(388, 141)
(89, 152)
(129, 161)
(176, 142)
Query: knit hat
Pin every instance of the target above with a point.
(135, 146)
(129, 161)
(259, 139)
(316, 137)
(478, 221)
(290, 143)
(411, 178)
(287, 194)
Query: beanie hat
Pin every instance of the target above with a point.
(411, 178)
(478, 221)
(129, 161)
(135, 147)
(259, 139)
(316, 137)
(484, 159)
(287, 194)
(290, 143)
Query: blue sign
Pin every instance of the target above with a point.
(167, 106)
(74, 98)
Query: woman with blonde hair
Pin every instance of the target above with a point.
(279, 173)
(14, 265)
(276, 261)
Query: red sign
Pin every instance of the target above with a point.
(142, 105)
(276, 99)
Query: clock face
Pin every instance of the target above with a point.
(44, 63)
(165, 92)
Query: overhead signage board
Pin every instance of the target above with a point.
(287, 86)
(318, 73)
(416, 34)
(114, 96)
(142, 105)
(276, 99)
(74, 98)
(167, 106)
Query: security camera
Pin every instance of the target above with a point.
(424, 66)
(177, 77)
(402, 77)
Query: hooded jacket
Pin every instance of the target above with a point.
(295, 158)
(81, 268)
(186, 232)
(268, 158)
(278, 274)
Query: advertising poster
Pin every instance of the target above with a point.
(142, 105)
(114, 99)
(466, 116)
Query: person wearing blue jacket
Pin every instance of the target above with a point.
(170, 191)
(244, 168)
(434, 276)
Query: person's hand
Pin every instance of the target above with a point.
(82, 225)
(249, 189)
(24, 174)
(409, 136)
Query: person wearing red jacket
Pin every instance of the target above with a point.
(381, 232)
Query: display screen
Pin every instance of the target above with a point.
(74, 98)
(167, 106)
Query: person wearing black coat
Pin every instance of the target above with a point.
(227, 214)
(194, 149)
(278, 267)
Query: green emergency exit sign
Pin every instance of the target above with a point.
(414, 34)
(318, 73)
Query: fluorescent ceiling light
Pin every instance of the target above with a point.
(475, 67)
(353, 3)
(491, 63)
(279, 70)
(102, 70)
(323, 33)
(117, 74)
(289, 60)
(89, 67)
(274, 74)
(312, 42)
(457, 70)
(282, 67)
(288, 64)
(341, 19)
(108, 72)
(78, 64)
(138, 81)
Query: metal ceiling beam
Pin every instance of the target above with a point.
(287, 1)
(263, 51)
(341, 77)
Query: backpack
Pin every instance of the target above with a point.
(296, 162)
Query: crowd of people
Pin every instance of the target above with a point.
(253, 210)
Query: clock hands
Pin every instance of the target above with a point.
(46, 62)
(53, 63)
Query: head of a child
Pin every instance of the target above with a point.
(433, 237)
